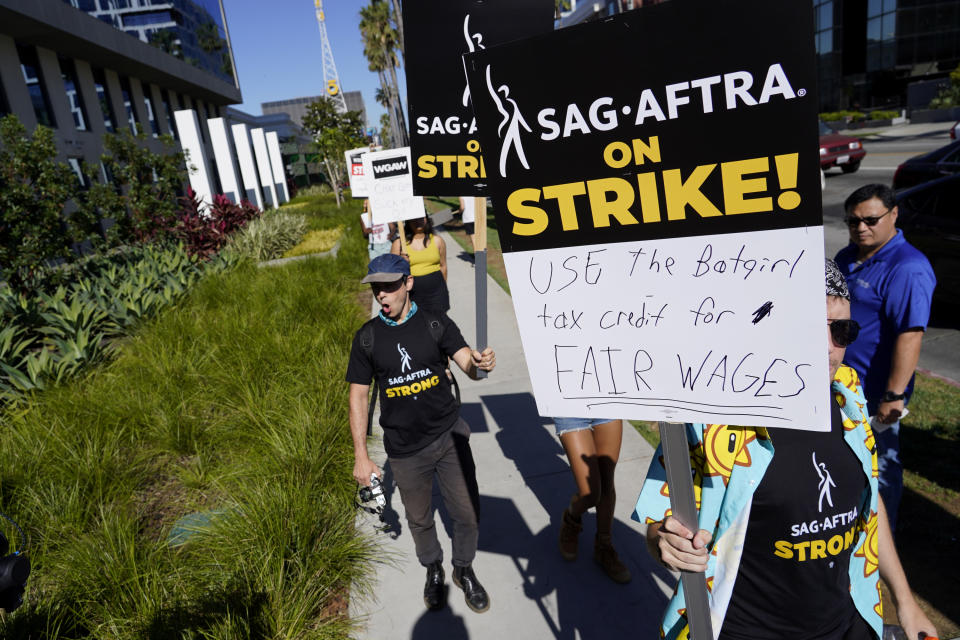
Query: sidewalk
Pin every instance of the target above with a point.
(525, 483)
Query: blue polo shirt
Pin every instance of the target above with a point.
(890, 293)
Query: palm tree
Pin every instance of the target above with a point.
(380, 41)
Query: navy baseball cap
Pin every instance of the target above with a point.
(386, 268)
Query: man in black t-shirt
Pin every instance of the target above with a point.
(406, 351)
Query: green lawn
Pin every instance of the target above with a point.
(231, 405)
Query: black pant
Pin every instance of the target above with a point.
(450, 459)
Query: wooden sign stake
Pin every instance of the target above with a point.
(676, 459)
(480, 272)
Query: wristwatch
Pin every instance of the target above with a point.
(892, 396)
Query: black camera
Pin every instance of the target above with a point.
(14, 571)
(373, 492)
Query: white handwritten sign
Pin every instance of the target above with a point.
(677, 329)
(358, 183)
(661, 228)
(390, 186)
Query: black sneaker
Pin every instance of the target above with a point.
(473, 592)
(433, 589)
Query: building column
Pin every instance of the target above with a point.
(198, 167)
(276, 163)
(221, 141)
(248, 168)
(13, 85)
(263, 166)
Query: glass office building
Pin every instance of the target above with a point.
(870, 51)
(192, 30)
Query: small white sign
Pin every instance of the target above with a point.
(358, 183)
(710, 329)
(390, 186)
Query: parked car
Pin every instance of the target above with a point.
(929, 215)
(941, 162)
(955, 131)
(838, 150)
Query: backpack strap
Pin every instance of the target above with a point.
(433, 325)
(366, 338)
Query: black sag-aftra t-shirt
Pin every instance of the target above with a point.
(416, 402)
(793, 579)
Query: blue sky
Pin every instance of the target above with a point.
(276, 46)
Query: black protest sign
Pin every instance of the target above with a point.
(688, 118)
(657, 183)
(442, 128)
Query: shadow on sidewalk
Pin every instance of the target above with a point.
(575, 599)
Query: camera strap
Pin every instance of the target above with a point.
(23, 538)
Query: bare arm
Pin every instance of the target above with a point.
(395, 247)
(912, 618)
(363, 466)
(469, 360)
(363, 219)
(906, 355)
(442, 249)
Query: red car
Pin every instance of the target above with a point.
(838, 150)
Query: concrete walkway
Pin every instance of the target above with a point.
(525, 483)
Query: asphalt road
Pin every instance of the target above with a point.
(941, 345)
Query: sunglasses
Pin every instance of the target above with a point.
(853, 222)
(844, 332)
(388, 287)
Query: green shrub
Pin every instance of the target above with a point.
(267, 237)
(846, 116)
(316, 242)
(883, 115)
(33, 191)
(314, 190)
(53, 334)
(230, 405)
(949, 96)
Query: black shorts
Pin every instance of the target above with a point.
(468, 227)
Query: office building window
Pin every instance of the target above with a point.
(76, 165)
(71, 86)
(823, 23)
(128, 104)
(168, 112)
(103, 97)
(4, 105)
(30, 67)
(151, 116)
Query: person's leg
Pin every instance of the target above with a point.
(456, 475)
(414, 477)
(577, 441)
(582, 455)
(607, 438)
(890, 471)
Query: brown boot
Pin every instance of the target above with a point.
(606, 556)
(569, 535)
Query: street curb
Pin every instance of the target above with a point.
(945, 379)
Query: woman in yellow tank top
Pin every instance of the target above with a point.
(427, 254)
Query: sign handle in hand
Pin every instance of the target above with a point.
(480, 273)
(676, 459)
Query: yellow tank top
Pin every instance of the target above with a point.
(425, 260)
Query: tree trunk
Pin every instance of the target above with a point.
(398, 18)
(334, 182)
(401, 120)
(391, 112)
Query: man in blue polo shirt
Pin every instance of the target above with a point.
(891, 285)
